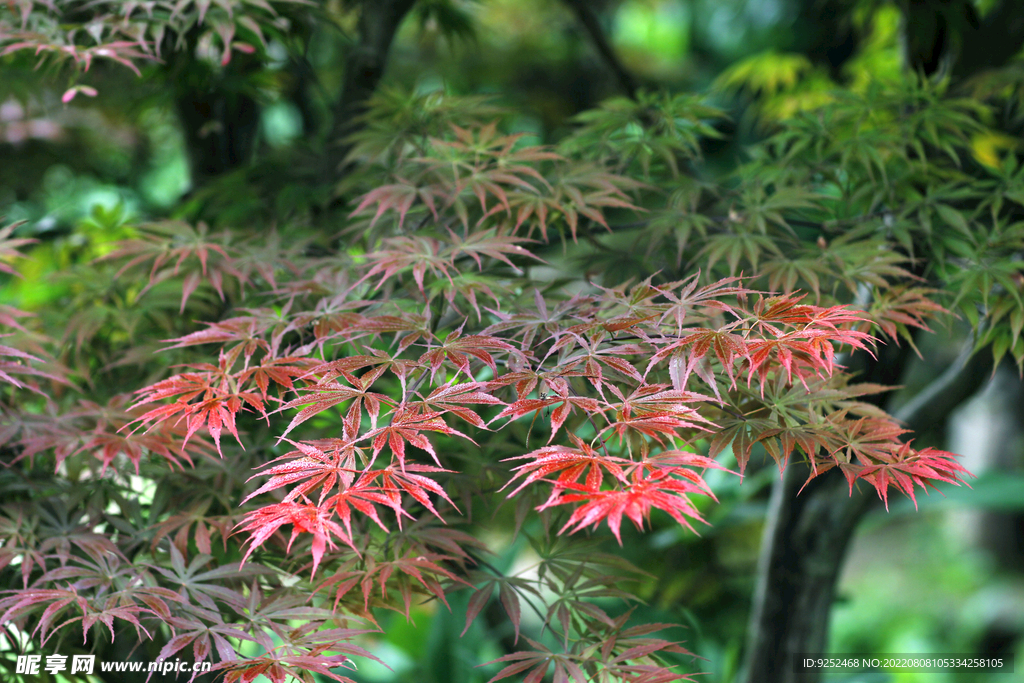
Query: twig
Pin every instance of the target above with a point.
(585, 11)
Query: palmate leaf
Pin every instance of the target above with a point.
(780, 442)
(325, 465)
(571, 463)
(808, 348)
(627, 654)
(246, 334)
(210, 397)
(632, 653)
(362, 496)
(508, 594)
(741, 433)
(584, 190)
(134, 33)
(10, 247)
(400, 197)
(410, 573)
(804, 354)
(279, 667)
(206, 527)
(205, 639)
(866, 440)
(356, 491)
(870, 449)
(19, 543)
(393, 482)
(417, 254)
(11, 370)
(653, 126)
(170, 245)
(202, 587)
(692, 300)
(491, 244)
(538, 321)
(453, 397)
(214, 412)
(592, 357)
(484, 164)
(655, 399)
(537, 662)
(471, 287)
(325, 395)
(281, 371)
(909, 467)
(644, 491)
(404, 427)
(457, 350)
(9, 317)
(92, 607)
(663, 429)
(899, 309)
(304, 518)
(687, 355)
(564, 405)
(377, 360)
(100, 431)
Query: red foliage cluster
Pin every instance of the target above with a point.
(392, 355)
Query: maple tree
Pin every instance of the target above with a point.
(355, 406)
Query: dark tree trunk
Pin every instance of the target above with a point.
(220, 131)
(807, 536)
(805, 543)
(219, 119)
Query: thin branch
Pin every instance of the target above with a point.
(932, 405)
(585, 12)
(831, 224)
(364, 67)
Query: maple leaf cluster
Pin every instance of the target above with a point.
(382, 391)
(135, 34)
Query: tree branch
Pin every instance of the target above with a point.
(993, 41)
(806, 538)
(585, 12)
(364, 67)
(931, 406)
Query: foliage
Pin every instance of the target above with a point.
(128, 33)
(354, 425)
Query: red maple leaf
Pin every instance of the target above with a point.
(452, 397)
(907, 467)
(217, 396)
(304, 518)
(457, 350)
(325, 395)
(405, 426)
(564, 405)
(325, 469)
(572, 463)
(393, 482)
(645, 491)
